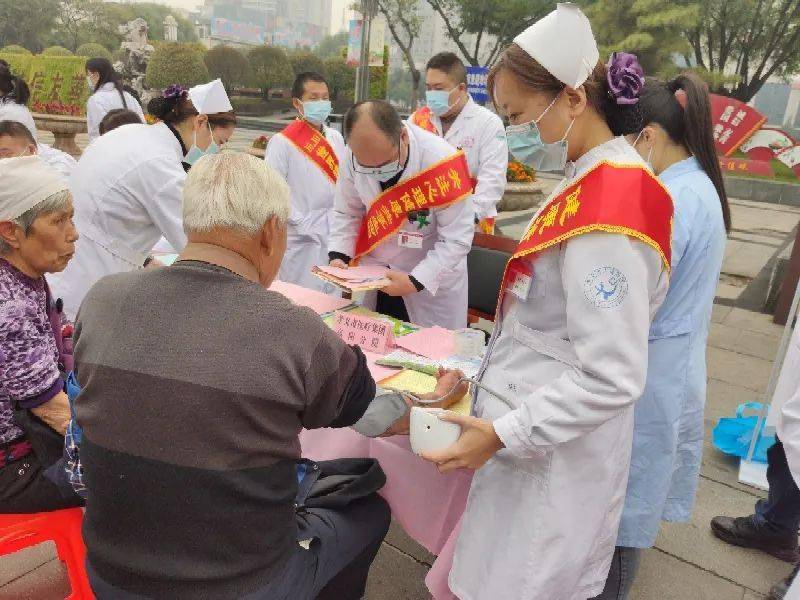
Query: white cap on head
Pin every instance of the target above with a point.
(210, 98)
(27, 181)
(563, 43)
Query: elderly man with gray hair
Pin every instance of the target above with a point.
(196, 382)
(37, 236)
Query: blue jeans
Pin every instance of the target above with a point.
(780, 511)
(624, 566)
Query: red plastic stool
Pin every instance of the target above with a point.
(60, 526)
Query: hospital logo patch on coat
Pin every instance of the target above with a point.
(605, 287)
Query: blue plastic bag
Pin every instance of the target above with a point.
(733, 435)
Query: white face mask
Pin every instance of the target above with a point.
(649, 152)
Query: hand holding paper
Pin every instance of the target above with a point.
(399, 284)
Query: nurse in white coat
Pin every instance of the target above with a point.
(569, 347)
(14, 94)
(311, 176)
(452, 113)
(427, 256)
(105, 86)
(128, 187)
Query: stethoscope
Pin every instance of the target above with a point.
(423, 401)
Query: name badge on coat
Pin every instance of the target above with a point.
(409, 239)
(519, 280)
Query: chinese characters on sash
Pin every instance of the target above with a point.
(438, 186)
(623, 199)
(422, 118)
(313, 144)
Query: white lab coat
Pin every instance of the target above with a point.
(441, 264)
(58, 160)
(542, 514)
(127, 190)
(312, 200)
(786, 401)
(480, 133)
(103, 101)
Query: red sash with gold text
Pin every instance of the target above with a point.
(313, 144)
(422, 119)
(440, 185)
(625, 199)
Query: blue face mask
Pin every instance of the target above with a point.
(526, 145)
(317, 111)
(439, 101)
(194, 154)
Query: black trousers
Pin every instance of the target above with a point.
(335, 566)
(781, 509)
(25, 489)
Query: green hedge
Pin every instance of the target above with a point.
(56, 51)
(92, 50)
(14, 49)
(58, 83)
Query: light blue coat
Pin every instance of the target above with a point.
(668, 431)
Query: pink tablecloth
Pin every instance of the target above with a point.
(427, 504)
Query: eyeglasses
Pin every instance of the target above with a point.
(384, 169)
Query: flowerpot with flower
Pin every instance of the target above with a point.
(522, 189)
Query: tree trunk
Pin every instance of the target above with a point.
(415, 78)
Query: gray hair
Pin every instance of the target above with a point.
(53, 203)
(233, 190)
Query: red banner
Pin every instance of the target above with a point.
(313, 144)
(734, 122)
(731, 166)
(624, 199)
(440, 185)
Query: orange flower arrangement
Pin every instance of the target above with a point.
(519, 173)
(260, 142)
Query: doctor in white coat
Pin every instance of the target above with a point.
(462, 122)
(429, 270)
(107, 94)
(311, 185)
(128, 186)
(569, 347)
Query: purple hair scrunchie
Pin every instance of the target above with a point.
(625, 77)
(174, 92)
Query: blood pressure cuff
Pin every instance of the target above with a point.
(385, 409)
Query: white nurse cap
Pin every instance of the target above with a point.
(563, 43)
(210, 98)
(27, 181)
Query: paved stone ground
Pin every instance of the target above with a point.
(687, 563)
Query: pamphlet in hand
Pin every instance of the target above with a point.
(355, 279)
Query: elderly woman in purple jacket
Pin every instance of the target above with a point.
(37, 236)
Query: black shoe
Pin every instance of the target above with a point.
(742, 531)
(778, 591)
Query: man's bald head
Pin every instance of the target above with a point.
(376, 115)
(375, 133)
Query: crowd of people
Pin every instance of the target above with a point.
(169, 400)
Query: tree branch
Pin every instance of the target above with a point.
(452, 32)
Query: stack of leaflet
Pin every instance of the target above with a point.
(428, 349)
(354, 279)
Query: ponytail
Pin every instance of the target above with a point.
(682, 108)
(12, 87)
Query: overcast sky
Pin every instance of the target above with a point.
(339, 7)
